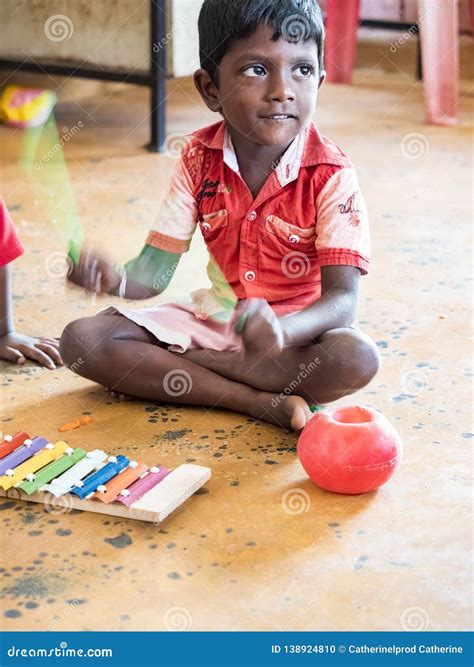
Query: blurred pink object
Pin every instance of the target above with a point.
(439, 30)
(341, 35)
(439, 33)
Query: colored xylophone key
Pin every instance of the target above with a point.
(50, 453)
(89, 485)
(107, 493)
(138, 489)
(63, 484)
(35, 481)
(23, 453)
(172, 491)
(11, 442)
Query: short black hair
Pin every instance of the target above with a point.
(223, 21)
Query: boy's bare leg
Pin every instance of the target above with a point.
(339, 363)
(119, 354)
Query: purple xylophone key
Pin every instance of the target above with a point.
(22, 454)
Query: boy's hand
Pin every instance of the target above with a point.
(96, 273)
(17, 348)
(261, 330)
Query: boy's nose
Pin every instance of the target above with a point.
(280, 89)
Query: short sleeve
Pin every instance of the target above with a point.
(342, 225)
(176, 221)
(10, 244)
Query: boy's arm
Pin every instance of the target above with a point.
(17, 347)
(336, 307)
(143, 277)
(148, 274)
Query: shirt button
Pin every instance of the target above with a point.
(252, 216)
(294, 238)
(249, 275)
(205, 226)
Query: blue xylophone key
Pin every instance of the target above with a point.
(89, 484)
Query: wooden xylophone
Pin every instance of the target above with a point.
(64, 478)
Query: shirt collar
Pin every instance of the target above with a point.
(287, 169)
(308, 148)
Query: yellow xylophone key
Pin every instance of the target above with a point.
(28, 468)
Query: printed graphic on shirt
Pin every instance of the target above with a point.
(351, 209)
(208, 189)
(342, 226)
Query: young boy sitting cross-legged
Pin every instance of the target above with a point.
(279, 209)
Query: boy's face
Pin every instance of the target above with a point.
(259, 79)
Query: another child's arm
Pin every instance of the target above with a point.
(16, 347)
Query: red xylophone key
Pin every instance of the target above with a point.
(11, 442)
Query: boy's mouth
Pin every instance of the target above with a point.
(279, 116)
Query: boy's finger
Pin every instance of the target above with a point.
(39, 356)
(54, 342)
(15, 356)
(51, 351)
(98, 283)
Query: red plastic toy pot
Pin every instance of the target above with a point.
(349, 449)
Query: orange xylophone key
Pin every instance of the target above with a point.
(107, 493)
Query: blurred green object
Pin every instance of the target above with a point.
(43, 160)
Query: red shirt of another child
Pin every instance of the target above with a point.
(10, 244)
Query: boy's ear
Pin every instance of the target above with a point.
(207, 89)
(322, 78)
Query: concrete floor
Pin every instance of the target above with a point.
(232, 557)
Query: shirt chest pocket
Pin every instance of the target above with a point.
(290, 236)
(213, 224)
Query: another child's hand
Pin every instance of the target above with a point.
(261, 330)
(17, 348)
(96, 273)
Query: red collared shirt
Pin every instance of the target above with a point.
(308, 214)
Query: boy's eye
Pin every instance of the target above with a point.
(254, 70)
(306, 70)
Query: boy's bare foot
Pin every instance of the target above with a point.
(289, 412)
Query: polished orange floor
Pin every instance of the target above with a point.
(260, 548)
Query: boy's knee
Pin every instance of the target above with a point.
(361, 359)
(73, 344)
(356, 357)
